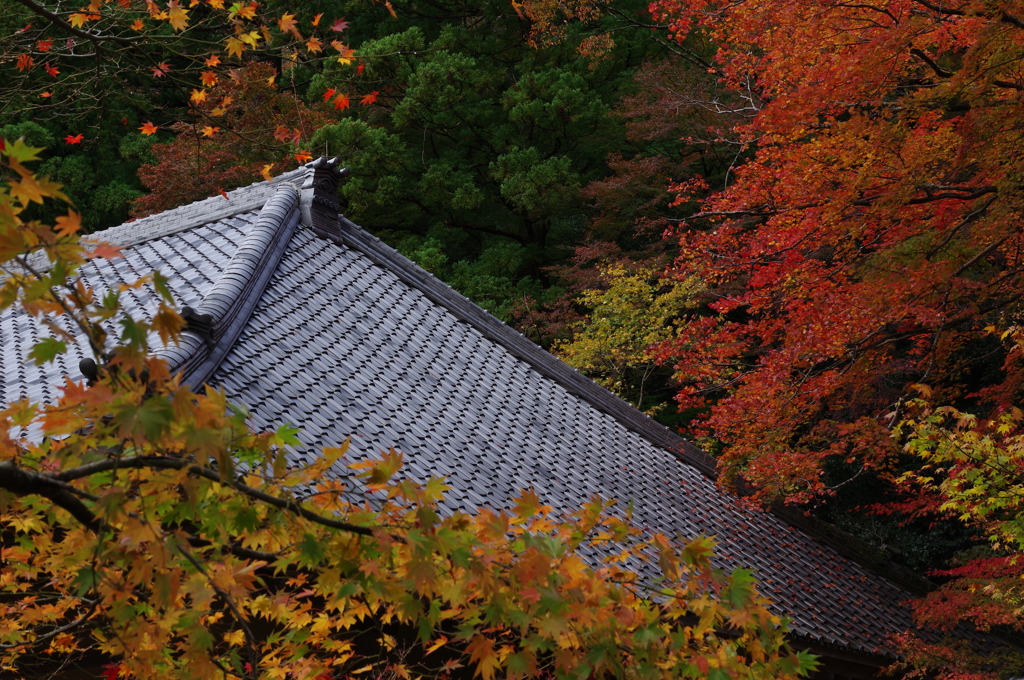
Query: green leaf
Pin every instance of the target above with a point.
(22, 152)
(46, 349)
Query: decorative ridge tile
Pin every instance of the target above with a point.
(215, 323)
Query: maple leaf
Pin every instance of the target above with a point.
(316, 19)
(346, 53)
(209, 131)
(287, 23)
(212, 60)
(216, 4)
(314, 44)
(45, 45)
(138, 26)
(223, 193)
(177, 16)
(359, 69)
(303, 156)
(74, 139)
(160, 70)
(235, 47)
(198, 96)
(390, 9)
(45, 95)
(148, 128)
(246, 10)
(208, 78)
(282, 133)
(68, 225)
(51, 70)
(339, 25)
(329, 93)
(265, 172)
(78, 19)
(341, 102)
(25, 61)
(369, 99)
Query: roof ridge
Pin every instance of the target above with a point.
(214, 324)
(184, 217)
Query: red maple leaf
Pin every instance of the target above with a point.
(340, 25)
(160, 70)
(51, 70)
(341, 102)
(330, 93)
(369, 99)
(76, 139)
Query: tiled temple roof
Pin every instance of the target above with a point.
(306, 318)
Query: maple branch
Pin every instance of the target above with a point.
(940, 9)
(939, 71)
(56, 20)
(250, 639)
(25, 482)
(56, 631)
(967, 220)
(176, 464)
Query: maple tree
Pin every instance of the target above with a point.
(134, 54)
(868, 240)
(145, 523)
(245, 127)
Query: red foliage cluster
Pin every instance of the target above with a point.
(872, 236)
(234, 135)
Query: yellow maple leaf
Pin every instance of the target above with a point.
(198, 96)
(177, 15)
(266, 171)
(216, 4)
(78, 19)
(235, 47)
(251, 38)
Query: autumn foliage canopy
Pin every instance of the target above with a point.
(869, 240)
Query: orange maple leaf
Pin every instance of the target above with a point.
(148, 128)
(287, 22)
(316, 19)
(369, 99)
(209, 131)
(247, 11)
(315, 45)
(223, 193)
(266, 171)
(208, 78)
(137, 25)
(303, 156)
(45, 95)
(198, 96)
(25, 61)
(341, 102)
(212, 60)
(390, 9)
